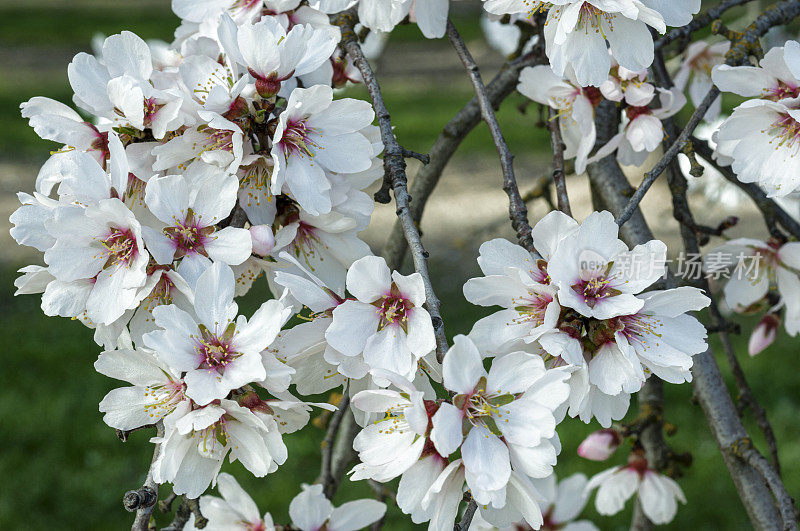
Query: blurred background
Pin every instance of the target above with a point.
(63, 468)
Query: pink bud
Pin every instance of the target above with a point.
(263, 239)
(763, 334)
(599, 446)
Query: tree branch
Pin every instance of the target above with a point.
(651, 176)
(773, 213)
(147, 496)
(327, 479)
(446, 144)
(395, 169)
(559, 175)
(607, 178)
(517, 211)
(700, 21)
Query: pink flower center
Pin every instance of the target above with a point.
(151, 108)
(393, 309)
(189, 236)
(217, 353)
(635, 112)
(788, 131)
(483, 408)
(121, 247)
(163, 398)
(594, 289)
(216, 140)
(297, 139)
(532, 308)
(782, 91)
(638, 329)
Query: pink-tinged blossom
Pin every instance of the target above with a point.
(600, 445)
(385, 322)
(272, 54)
(397, 438)
(641, 133)
(694, 74)
(521, 284)
(657, 494)
(100, 246)
(312, 511)
(315, 135)
(763, 335)
(156, 392)
(190, 209)
(235, 511)
(196, 442)
(597, 275)
(218, 350)
(762, 135)
(563, 502)
(55, 121)
(500, 420)
(575, 106)
(752, 268)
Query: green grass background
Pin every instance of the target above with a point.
(62, 468)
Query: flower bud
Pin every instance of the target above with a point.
(763, 334)
(599, 446)
(263, 239)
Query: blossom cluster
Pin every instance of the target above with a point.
(227, 155)
(207, 163)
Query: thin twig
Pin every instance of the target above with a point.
(469, 514)
(559, 175)
(326, 476)
(651, 176)
(395, 169)
(446, 144)
(517, 211)
(699, 22)
(748, 453)
(773, 213)
(144, 508)
(683, 214)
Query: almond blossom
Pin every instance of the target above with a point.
(642, 133)
(597, 275)
(236, 510)
(385, 323)
(313, 136)
(218, 350)
(156, 392)
(190, 217)
(500, 419)
(101, 244)
(390, 445)
(196, 442)
(565, 500)
(312, 511)
(657, 494)
(695, 73)
(575, 106)
(271, 54)
(753, 267)
(761, 135)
